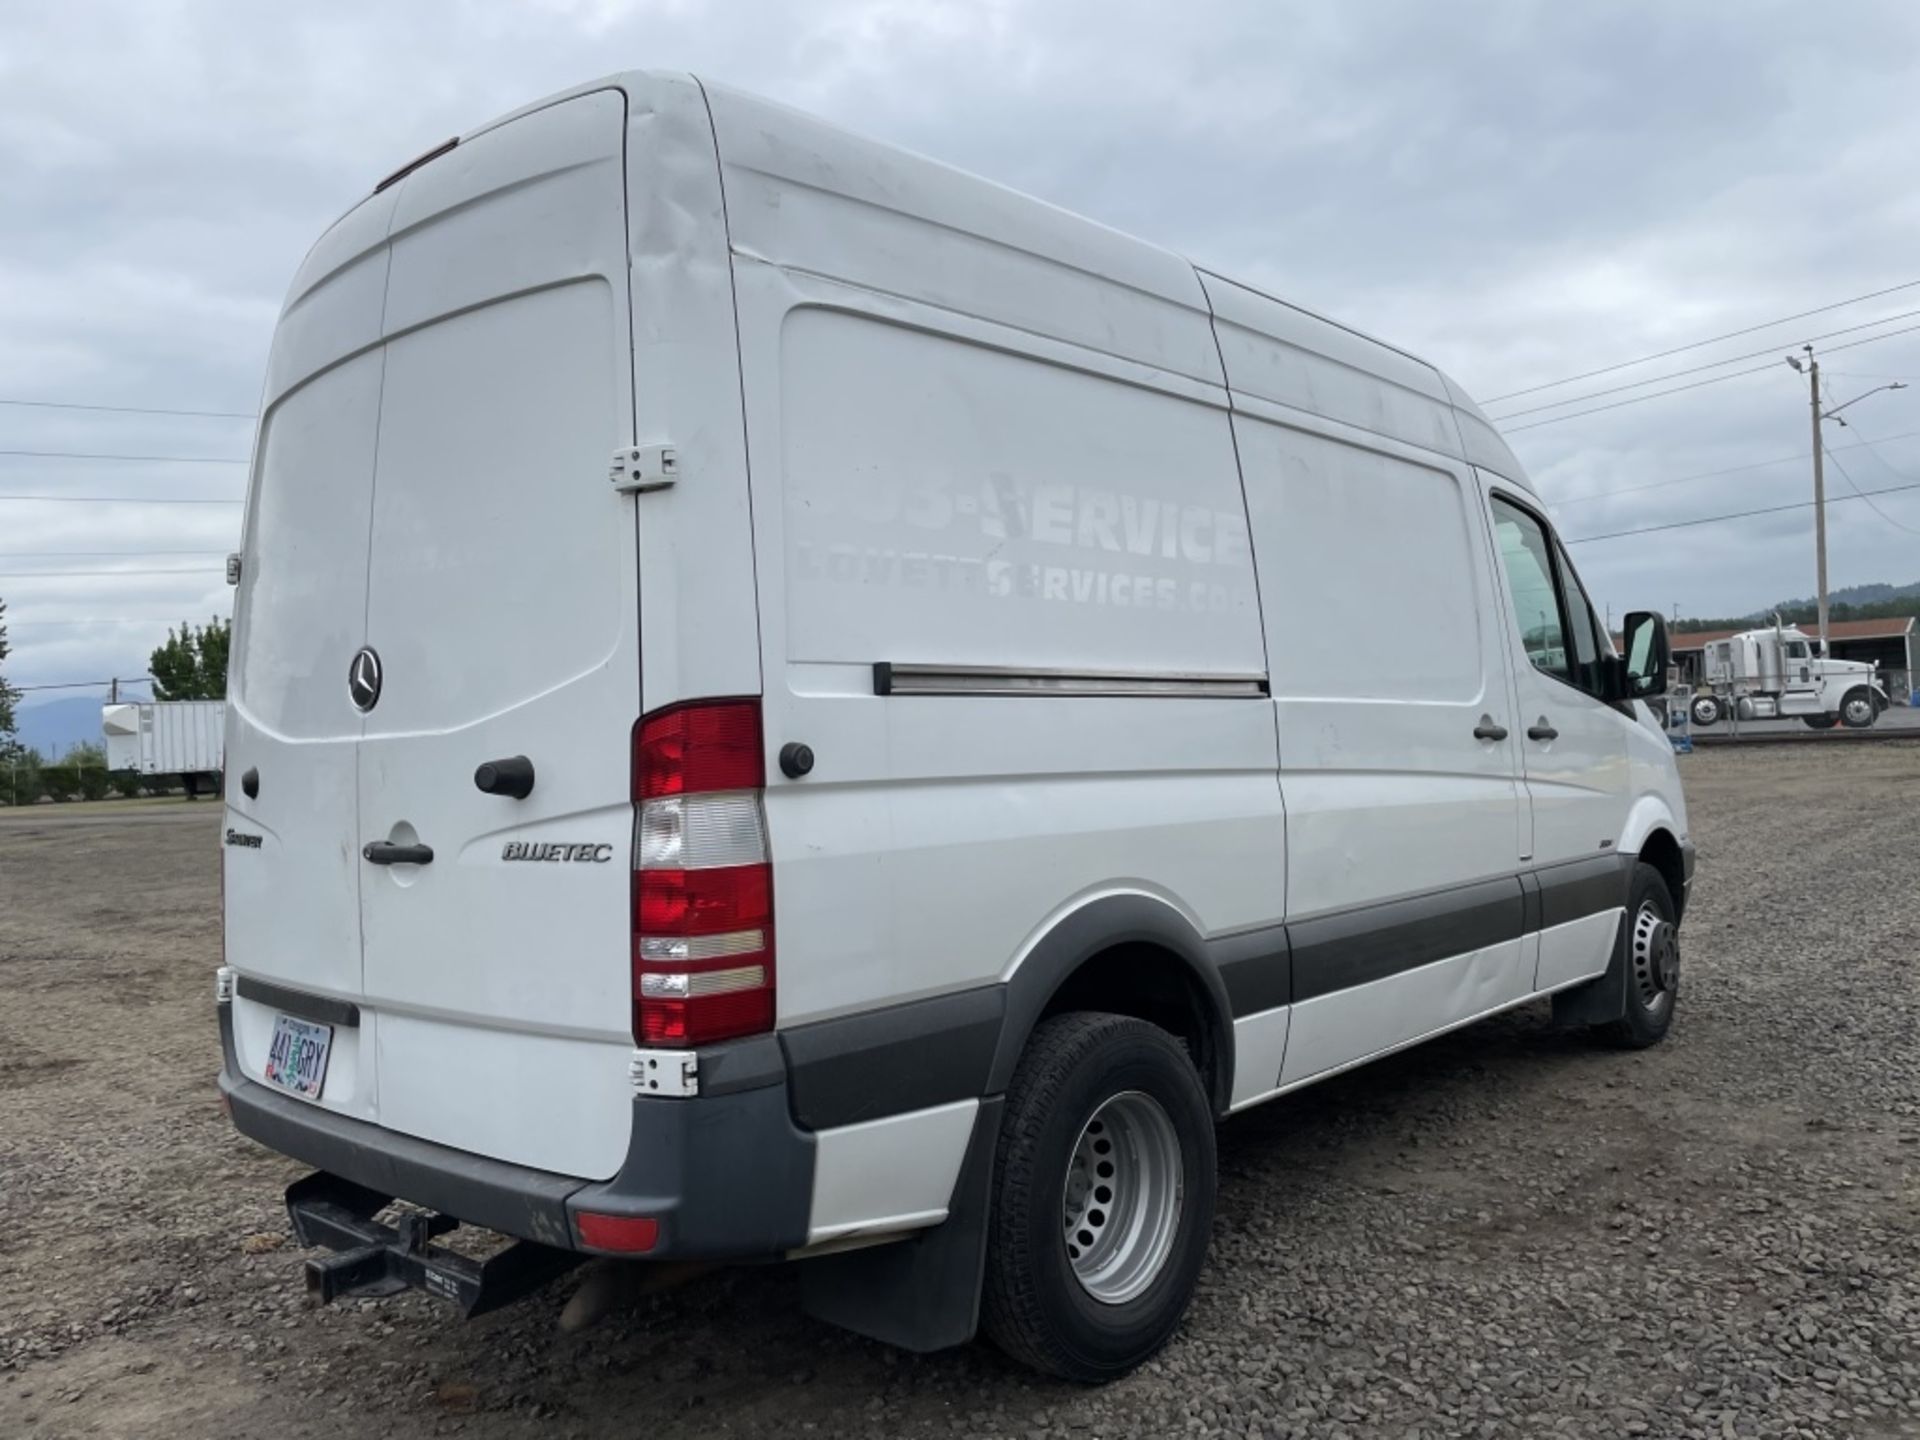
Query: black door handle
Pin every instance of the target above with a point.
(1488, 730)
(1542, 731)
(384, 852)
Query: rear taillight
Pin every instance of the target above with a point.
(702, 883)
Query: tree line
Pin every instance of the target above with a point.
(191, 665)
(1807, 612)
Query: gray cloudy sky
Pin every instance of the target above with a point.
(1519, 192)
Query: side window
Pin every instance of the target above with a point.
(1527, 560)
(1583, 623)
(1797, 650)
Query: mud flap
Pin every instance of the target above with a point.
(1601, 999)
(921, 1294)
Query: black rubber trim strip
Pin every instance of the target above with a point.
(322, 1008)
(888, 1061)
(1354, 947)
(1256, 966)
(1530, 902)
(751, 1064)
(1580, 888)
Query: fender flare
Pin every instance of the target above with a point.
(1647, 814)
(1233, 974)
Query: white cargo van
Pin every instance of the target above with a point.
(790, 703)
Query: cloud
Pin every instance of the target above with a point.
(1519, 195)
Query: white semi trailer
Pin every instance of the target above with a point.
(1779, 673)
(169, 737)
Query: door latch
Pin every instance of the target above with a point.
(644, 467)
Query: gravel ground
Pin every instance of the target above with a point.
(1504, 1233)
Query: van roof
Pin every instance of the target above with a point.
(808, 151)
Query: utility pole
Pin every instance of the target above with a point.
(1812, 371)
(1819, 497)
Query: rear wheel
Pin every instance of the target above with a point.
(1706, 710)
(1858, 710)
(1653, 964)
(1103, 1197)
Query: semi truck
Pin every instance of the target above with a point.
(173, 738)
(1777, 673)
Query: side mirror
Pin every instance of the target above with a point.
(1643, 669)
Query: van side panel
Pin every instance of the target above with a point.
(808, 197)
(983, 434)
(698, 596)
(1281, 354)
(1369, 540)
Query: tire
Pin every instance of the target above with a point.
(1820, 722)
(1705, 710)
(1652, 964)
(1859, 708)
(1093, 1311)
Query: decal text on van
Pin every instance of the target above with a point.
(531, 850)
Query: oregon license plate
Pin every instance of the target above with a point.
(297, 1059)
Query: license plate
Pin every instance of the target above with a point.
(297, 1059)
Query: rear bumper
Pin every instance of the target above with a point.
(726, 1176)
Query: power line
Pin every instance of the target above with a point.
(74, 574)
(1858, 493)
(1713, 380)
(128, 554)
(129, 409)
(142, 459)
(100, 620)
(1702, 344)
(1716, 474)
(1697, 369)
(90, 684)
(1637, 399)
(121, 499)
(1735, 515)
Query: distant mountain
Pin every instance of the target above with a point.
(1851, 595)
(51, 726)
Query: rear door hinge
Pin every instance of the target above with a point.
(644, 467)
(665, 1072)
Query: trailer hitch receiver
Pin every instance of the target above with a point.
(372, 1258)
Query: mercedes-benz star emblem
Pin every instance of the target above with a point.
(363, 679)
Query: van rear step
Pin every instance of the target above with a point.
(374, 1259)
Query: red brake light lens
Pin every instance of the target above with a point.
(708, 745)
(705, 902)
(622, 1234)
(702, 882)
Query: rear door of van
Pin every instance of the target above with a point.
(501, 601)
(449, 513)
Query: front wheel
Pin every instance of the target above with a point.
(1706, 710)
(1858, 710)
(1653, 963)
(1103, 1197)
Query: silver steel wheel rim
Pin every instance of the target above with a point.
(1705, 711)
(1656, 959)
(1859, 711)
(1125, 1190)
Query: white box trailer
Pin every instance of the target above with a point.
(168, 737)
